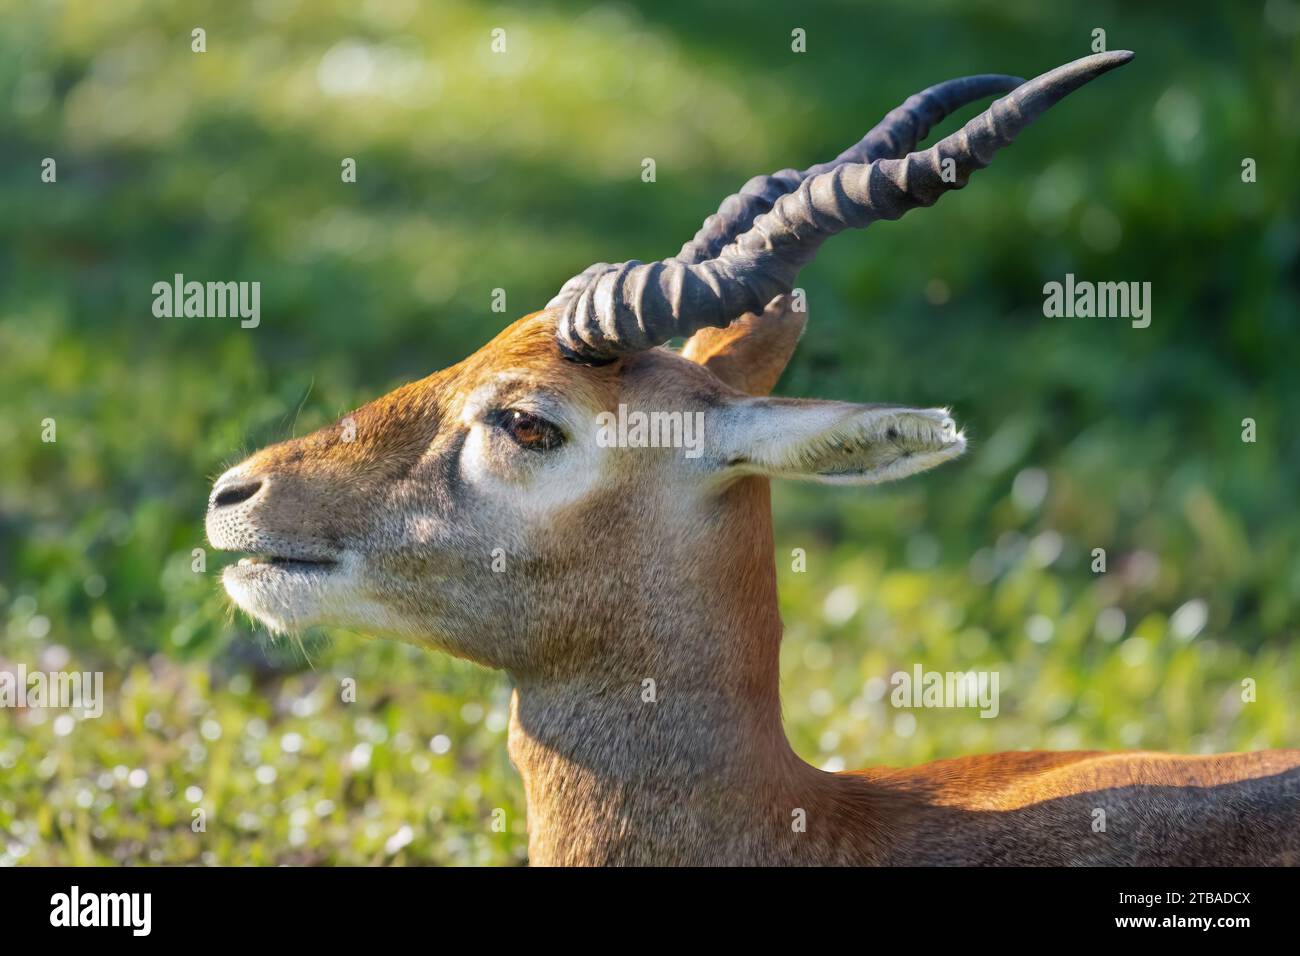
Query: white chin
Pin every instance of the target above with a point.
(291, 598)
(285, 598)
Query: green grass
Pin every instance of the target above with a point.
(478, 173)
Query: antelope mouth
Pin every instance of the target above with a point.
(289, 592)
(255, 563)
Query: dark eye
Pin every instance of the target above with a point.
(527, 431)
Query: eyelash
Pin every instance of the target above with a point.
(512, 421)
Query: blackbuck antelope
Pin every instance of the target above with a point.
(485, 511)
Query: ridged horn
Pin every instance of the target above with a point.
(895, 135)
(613, 310)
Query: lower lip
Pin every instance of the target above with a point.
(285, 566)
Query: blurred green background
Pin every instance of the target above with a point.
(478, 171)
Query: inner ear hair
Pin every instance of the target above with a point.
(883, 444)
(837, 443)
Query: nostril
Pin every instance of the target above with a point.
(235, 494)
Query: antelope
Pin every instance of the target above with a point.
(476, 512)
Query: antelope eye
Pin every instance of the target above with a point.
(527, 431)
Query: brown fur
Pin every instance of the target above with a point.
(658, 574)
(751, 353)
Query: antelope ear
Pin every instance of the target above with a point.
(833, 442)
(751, 353)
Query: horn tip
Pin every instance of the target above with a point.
(1103, 62)
(1115, 57)
(1098, 63)
(1045, 90)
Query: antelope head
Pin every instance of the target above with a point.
(509, 509)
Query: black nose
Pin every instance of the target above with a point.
(235, 493)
